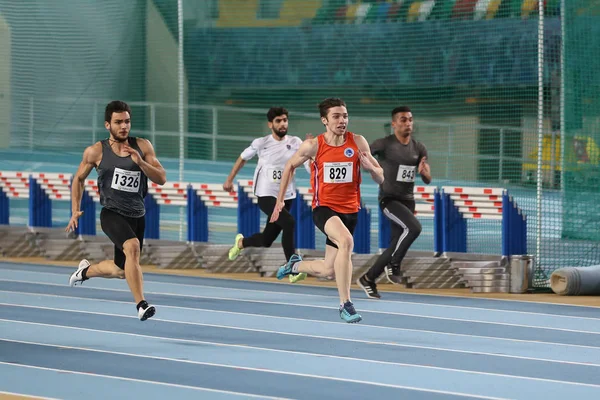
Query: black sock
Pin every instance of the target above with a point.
(142, 304)
(84, 274)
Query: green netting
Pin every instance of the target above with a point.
(581, 213)
(468, 69)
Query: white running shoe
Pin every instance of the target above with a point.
(145, 313)
(76, 276)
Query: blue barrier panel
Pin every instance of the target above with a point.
(87, 222)
(514, 236)
(385, 229)
(454, 236)
(295, 211)
(304, 233)
(362, 233)
(519, 231)
(197, 217)
(4, 208)
(40, 207)
(308, 227)
(438, 225)
(152, 230)
(523, 233)
(248, 214)
(506, 251)
(514, 228)
(462, 242)
(33, 215)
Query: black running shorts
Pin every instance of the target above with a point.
(120, 229)
(322, 214)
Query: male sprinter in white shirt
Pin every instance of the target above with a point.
(273, 151)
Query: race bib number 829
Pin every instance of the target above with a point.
(126, 181)
(337, 172)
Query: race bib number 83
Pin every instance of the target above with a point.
(274, 174)
(337, 172)
(406, 173)
(126, 181)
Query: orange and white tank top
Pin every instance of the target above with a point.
(335, 176)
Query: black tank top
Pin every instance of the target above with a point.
(121, 182)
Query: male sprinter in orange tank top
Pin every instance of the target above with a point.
(337, 156)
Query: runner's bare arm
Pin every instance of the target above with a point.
(307, 150)
(369, 162)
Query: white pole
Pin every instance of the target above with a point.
(501, 158)
(540, 127)
(31, 117)
(153, 123)
(215, 131)
(94, 121)
(180, 77)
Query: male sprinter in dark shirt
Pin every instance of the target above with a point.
(401, 157)
(124, 164)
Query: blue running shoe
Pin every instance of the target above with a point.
(286, 269)
(349, 314)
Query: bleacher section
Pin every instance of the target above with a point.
(503, 63)
(398, 11)
(447, 264)
(246, 13)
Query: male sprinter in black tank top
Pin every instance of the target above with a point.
(124, 165)
(401, 157)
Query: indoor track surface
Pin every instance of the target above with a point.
(226, 339)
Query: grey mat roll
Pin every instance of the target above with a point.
(576, 281)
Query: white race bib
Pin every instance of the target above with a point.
(406, 173)
(274, 174)
(337, 172)
(126, 181)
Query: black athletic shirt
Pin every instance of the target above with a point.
(121, 182)
(400, 163)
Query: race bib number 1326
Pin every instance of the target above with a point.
(126, 181)
(337, 172)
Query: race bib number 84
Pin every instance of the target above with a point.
(337, 172)
(126, 181)
(406, 173)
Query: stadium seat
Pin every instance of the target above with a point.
(393, 12)
(425, 9)
(528, 7)
(413, 11)
(340, 14)
(362, 12)
(371, 16)
(493, 9)
(237, 13)
(322, 16)
(293, 12)
(509, 9)
(382, 11)
(481, 9)
(351, 11)
(328, 12)
(442, 9)
(464, 9)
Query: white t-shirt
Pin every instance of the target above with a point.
(272, 157)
